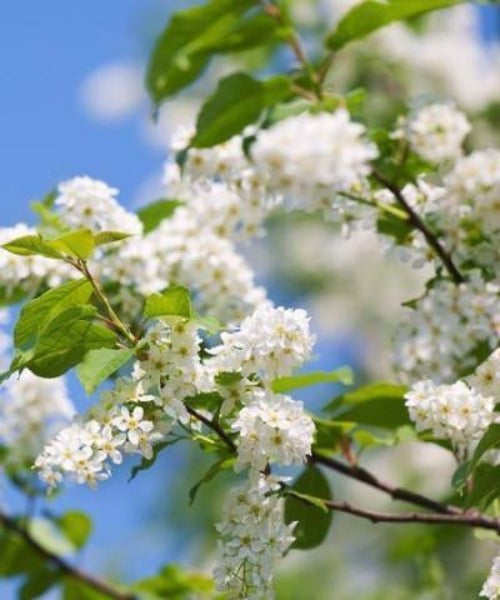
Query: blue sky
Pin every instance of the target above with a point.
(46, 50)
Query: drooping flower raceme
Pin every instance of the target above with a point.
(437, 132)
(445, 327)
(253, 536)
(89, 203)
(456, 412)
(271, 342)
(491, 587)
(32, 409)
(332, 156)
(273, 429)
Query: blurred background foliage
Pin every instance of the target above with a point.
(352, 290)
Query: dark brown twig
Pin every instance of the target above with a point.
(214, 426)
(396, 493)
(464, 519)
(62, 565)
(419, 224)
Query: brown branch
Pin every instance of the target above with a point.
(465, 519)
(62, 565)
(419, 224)
(213, 425)
(396, 493)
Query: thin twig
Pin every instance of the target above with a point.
(62, 565)
(418, 223)
(213, 426)
(465, 519)
(396, 493)
(114, 318)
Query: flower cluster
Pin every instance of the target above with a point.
(32, 409)
(270, 342)
(253, 536)
(491, 587)
(436, 132)
(273, 429)
(88, 203)
(333, 157)
(456, 412)
(446, 327)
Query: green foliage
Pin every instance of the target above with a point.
(64, 343)
(77, 590)
(378, 404)
(37, 314)
(108, 237)
(283, 385)
(77, 244)
(99, 364)
(489, 441)
(76, 526)
(485, 487)
(153, 214)
(194, 35)
(304, 504)
(175, 584)
(238, 101)
(392, 226)
(368, 16)
(32, 245)
(213, 471)
(173, 302)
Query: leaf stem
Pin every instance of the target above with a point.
(113, 317)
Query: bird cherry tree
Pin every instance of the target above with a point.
(162, 305)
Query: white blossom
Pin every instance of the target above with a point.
(332, 156)
(456, 412)
(437, 131)
(90, 203)
(270, 342)
(491, 587)
(273, 429)
(253, 536)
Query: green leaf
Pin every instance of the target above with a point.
(368, 16)
(228, 377)
(32, 245)
(215, 469)
(284, 385)
(173, 302)
(77, 590)
(156, 212)
(378, 404)
(186, 45)
(108, 237)
(63, 344)
(237, 102)
(211, 325)
(47, 535)
(329, 434)
(38, 582)
(489, 441)
(99, 364)
(17, 556)
(76, 526)
(11, 295)
(390, 225)
(78, 243)
(486, 487)
(304, 504)
(175, 583)
(38, 313)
